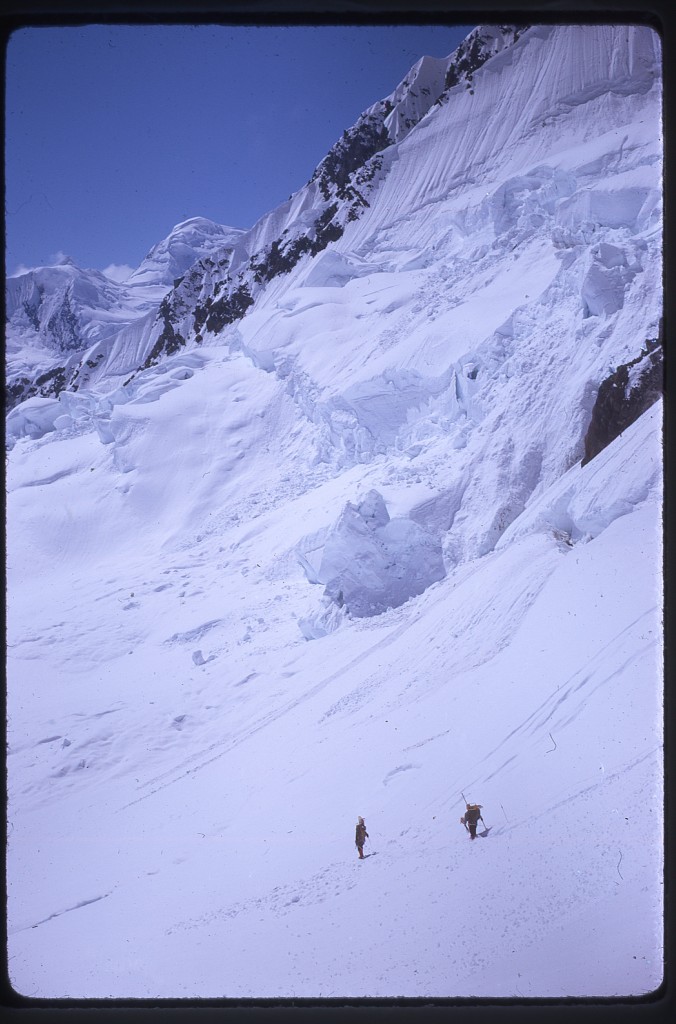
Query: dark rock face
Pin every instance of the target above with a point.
(471, 54)
(281, 256)
(64, 328)
(48, 385)
(356, 147)
(229, 308)
(169, 341)
(624, 396)
(18, 390)
(32, 312)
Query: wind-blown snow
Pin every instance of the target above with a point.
(340, 558)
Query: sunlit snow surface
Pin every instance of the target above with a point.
(186, 767)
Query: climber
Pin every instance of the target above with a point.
(470, 818)
(360, 836)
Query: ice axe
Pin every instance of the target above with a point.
(464, 800)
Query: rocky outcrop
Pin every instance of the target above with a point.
(352, 151)
(476, 49)
(624, 396)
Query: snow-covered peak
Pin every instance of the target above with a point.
(476, 49)
(63, 260)
(58, 313)
(430, 77)
(195, 228)
(186, 243)
(32, 296)
(412, 98)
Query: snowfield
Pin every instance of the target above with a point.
(340, 558)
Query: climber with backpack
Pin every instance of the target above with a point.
(360, 836)
(470, 818)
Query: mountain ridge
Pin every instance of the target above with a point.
(354, 156)
(65, 310)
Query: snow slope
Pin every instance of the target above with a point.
(338, 556)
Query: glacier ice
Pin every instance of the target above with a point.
(371, 562)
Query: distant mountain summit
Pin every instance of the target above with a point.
(55, 314)
(175, 254)
(62, 331)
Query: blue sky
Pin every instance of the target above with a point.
(114, 133)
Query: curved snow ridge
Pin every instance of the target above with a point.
(415, 95)
(333, 269)
(33, 418)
